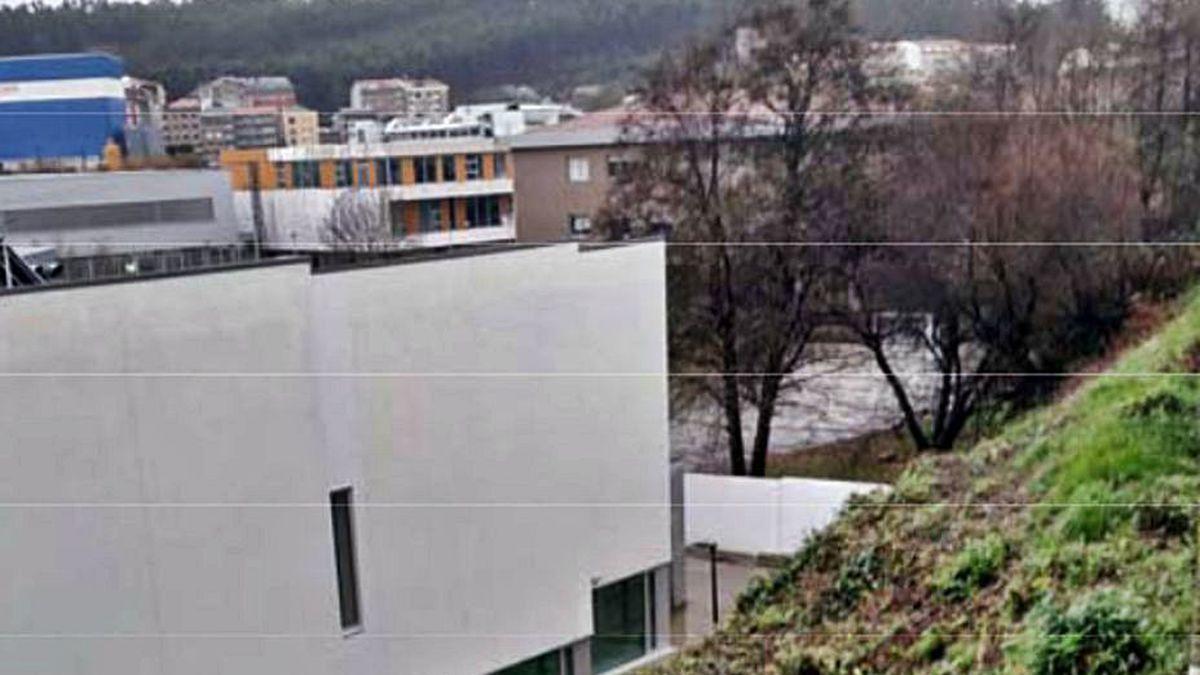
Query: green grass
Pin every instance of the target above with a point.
(1065, 543)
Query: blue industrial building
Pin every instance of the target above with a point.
(60, 106)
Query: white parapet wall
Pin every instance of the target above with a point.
(762, 516)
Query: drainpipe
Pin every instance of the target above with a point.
(8, 279)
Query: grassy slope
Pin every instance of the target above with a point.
(1053, 547)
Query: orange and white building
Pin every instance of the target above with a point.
(428, 192)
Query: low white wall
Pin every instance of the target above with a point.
(762, 515)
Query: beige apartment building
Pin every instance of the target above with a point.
(563, 175)
(301, 127)
(415, 100)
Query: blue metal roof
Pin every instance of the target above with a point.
(59, 67)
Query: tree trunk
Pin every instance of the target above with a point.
(912, 420)
(733, 424)
(762, 427)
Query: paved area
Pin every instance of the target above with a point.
(693, 621)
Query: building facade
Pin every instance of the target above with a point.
(145, 103)
(564, 175)
(60, 109)
(413, 100)
(217, 502)
(92, 213)
(301, 127)
(181, 127)
(246, 92)
(424, 192)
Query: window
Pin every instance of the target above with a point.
(426, 169)
(396, 170)
(579, 170)
(552, 663)
(344, 174)
(619, 167)
(449, 170)
(619, 614)
(580, 224)
(383, 175)
(431, 216)
(501, 163)
(483, 211)
(474, 167)
(341, 503)
(306, 175)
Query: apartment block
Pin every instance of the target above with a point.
(301, 127)
(428, 192)
(182, 132)
(413, 100)
(246, 92)
(564, 175)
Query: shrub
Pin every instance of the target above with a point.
(1098, 635)
(860, 574)
(976, 566)
(1095, 512)
(1163, 520)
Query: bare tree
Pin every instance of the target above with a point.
(739, 159)
(1000, 303)
(1165, 53)
(357, 223)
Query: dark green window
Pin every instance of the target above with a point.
(546, 664)
(341, 503)
(306, 175)
(426, 169)
(483, 211)
(344, 175)
(449, 170)
(431, 216)
(620, 617)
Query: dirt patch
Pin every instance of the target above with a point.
(877, 457)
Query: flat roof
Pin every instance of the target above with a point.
(592, 129)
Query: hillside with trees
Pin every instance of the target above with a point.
(478, 46)
(323, 45)
(1048, 525)
(1063, 544)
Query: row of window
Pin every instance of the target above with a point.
(390, 170)
(579, 169)
(623, 613)
(477, 212)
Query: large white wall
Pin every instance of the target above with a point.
(171, 445)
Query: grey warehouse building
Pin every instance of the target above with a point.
(106, 213)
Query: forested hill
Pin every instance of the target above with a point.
(325, 44)
(475, 45)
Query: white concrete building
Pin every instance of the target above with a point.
(94, 213)
(455, 465)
